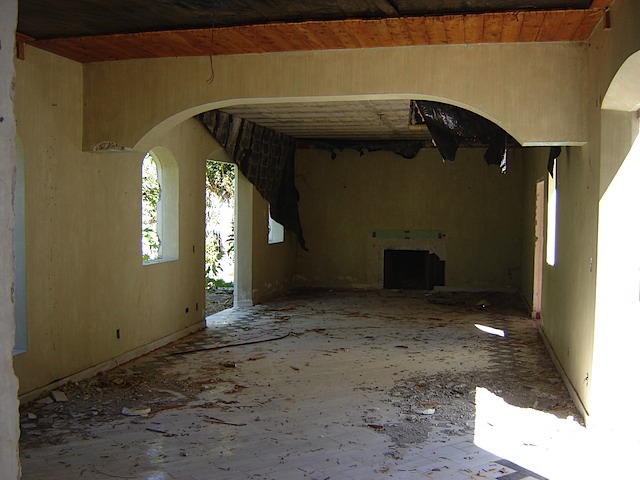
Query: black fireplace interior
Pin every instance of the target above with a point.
(412, 270)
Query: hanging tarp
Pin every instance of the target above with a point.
(405, 148)
(266, 158)
(554, 153)
(452, 127)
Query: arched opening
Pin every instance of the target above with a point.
(159, 219)
(391, 114)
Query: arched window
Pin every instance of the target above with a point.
(159, 188)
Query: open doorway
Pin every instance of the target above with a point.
(539, 250)
(219, 265)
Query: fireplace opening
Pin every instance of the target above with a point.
(412, 270)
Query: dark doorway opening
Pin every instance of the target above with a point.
(412, 269)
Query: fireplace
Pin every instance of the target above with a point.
(412, 270)
(409, 259)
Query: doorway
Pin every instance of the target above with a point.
(538, 258)
(219, 258)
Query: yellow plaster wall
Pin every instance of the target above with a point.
(584, 174)
(9, 419)
(85, 277)
(618, 270)
(531, 174)
(533, 90)
(343, 200)
(568, 291)
(274, 266)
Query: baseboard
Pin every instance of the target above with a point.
(438, 288)
(577, 401)
(112, 363)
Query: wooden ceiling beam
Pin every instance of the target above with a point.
(531, 26)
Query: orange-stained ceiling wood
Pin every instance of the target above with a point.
(503, 27)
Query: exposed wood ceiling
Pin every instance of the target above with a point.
(102, 30)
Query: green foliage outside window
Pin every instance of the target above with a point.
(150, 198)
(220, 179)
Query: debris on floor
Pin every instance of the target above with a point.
(340, 384)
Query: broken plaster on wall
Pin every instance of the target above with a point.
(108, 146)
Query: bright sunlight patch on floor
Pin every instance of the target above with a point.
(556, 448)
(491, 330)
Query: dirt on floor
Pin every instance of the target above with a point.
(362, 379)
(218, 300)
(430, 406)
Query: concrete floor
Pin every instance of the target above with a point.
(323, 385)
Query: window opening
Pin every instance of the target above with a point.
(150, 201)
(276, 230)
(159, 184)
(552, 204)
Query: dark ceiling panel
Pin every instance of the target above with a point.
(450, 7)
(44, 19)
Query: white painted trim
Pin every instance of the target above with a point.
(114, 362)
(577, 401)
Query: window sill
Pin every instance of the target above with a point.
(159, 260)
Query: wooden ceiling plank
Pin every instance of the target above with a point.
(379, 34)
(416, 30)
(399, 31)
(492, 27)
(353, 32)
(344, 34)
(454, 29)
(589, 22)
(531, 26)
(570, 23)
(511, 26)
(601, 3)
(266, 39)
(282, 40)
(235, 39)
(550, 26)
(329, 34)
(176, 44)
(473, 28)
(436, 30)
